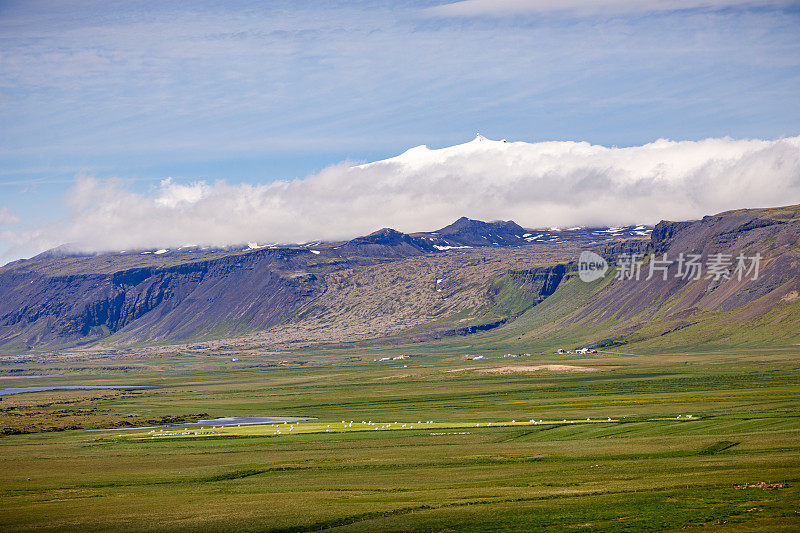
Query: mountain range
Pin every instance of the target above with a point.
(471, 278)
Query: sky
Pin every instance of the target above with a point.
(151, 124)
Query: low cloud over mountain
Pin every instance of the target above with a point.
(539, 184)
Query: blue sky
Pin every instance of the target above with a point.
(252, 92)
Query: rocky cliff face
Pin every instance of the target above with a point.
(227, 295)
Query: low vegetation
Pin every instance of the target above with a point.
(474, 461)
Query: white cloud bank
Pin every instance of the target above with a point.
(536, 184)
(500, 8)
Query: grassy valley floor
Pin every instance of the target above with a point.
(733, 466)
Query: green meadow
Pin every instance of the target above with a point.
(473, 460)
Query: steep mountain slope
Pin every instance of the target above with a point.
(381, 284)
(673, 310)
(729, 234)
(75, 302)
(393, 287)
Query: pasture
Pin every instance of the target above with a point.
(472, 461)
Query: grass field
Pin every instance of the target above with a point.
(734, 466)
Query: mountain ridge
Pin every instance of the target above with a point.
(390, 285)
(457, 236)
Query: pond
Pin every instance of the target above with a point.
(222, 421)
(19, 390)
(242, 421)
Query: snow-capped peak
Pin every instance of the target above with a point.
(421, 156)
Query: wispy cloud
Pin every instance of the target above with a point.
(253, 91)
(537, 184)
(170, 84)
(502, 8)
